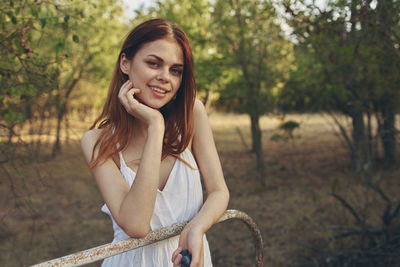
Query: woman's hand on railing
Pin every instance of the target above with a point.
(191, 238)
(108, 250)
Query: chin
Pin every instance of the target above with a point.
(153, 104)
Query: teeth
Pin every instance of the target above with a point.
(158, 90)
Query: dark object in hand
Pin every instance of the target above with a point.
(186, 258)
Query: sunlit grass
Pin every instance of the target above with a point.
(50, 207)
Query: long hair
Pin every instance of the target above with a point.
(117, 124)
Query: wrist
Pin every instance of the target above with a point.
(156, 126)
(192, 226)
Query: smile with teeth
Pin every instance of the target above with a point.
(158, 90)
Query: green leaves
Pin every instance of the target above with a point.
(75, 38)
(12, 117)
(59, 45)
(14, 20)
(43, 22)
(47, 46)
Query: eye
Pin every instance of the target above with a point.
(176, 71)
(152, 63)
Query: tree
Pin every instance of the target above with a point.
(255, 56)
(25, 75)
(384, 25)
(343, 66)
(49, 49)
(88, 42)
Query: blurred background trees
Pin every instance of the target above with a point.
(347, 59)
(341, 58)
(49, 50)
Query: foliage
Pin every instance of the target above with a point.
(335, 50)
(255, 57)
(254, 54)
(25, 75)
(49, 48)
(347, 61)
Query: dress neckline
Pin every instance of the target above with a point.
(123, 164)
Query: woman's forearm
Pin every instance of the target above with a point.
(137, 208)
(212, 210)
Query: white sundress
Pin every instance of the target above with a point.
(179, 201)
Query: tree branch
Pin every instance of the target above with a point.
(348, 207)
(343, 131)
(396, 211)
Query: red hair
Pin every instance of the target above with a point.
(117, 124)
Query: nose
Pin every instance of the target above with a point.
(163, 75)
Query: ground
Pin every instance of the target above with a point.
(51, 207)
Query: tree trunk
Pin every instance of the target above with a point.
(67, 127)
(62, 102)
(10, 134)
(257, 144)
(388, 135)
(57, 145)
(361, 149)
(359, 142)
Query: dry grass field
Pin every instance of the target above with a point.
(51, 207)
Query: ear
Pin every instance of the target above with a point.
(124, 64)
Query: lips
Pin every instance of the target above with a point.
(159, 90)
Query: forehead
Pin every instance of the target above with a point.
(167, 49)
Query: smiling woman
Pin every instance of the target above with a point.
(149, 146)
(161, 65)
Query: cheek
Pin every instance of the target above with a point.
(177, 82)
(139, 78)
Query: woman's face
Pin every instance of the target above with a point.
(156, 69)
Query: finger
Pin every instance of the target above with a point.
(130, 95)
(124, 88)
(127, 99)
(177, 260)
(133, 91)
(176, 253)
(126, 85)
(122, 96)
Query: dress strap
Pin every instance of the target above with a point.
(188, 159)
(121, 159)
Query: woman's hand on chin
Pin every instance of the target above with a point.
(191, 239)
(148, 115)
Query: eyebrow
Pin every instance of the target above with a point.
(160, 59)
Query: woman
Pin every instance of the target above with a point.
(149, 146)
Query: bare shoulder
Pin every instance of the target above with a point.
(200, 116)
(199, 108)
(88, 141)
(199, 112)
(201, 122)
(90, 137)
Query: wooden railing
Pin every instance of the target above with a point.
(111, 249)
